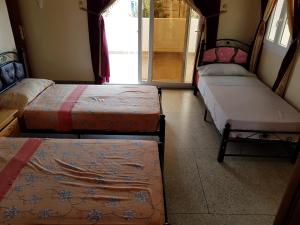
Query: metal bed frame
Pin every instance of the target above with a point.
(227, 139)
(219, 43)
(5, 59)
(228, 129)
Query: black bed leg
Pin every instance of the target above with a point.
(162, 127)
(205, 115)
(159, 90)
(195, 91)
(159, 95)
(161, 158)
(296, 152)
(224, 142)
(165, 203)
(161, 149)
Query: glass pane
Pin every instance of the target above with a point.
(275, 20)
(169, 40)
(285, 35)
(145, 38)
(122, 39)
(192, 46)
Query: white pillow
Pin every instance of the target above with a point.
(21, 94)
(220, 69)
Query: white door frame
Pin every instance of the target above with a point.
(140, 27)
(151, 31)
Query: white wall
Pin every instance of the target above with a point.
(293, 92)
(240, 21)
(270, 62)
(58, 44)
(268, 69)
(7, 42)
(57, 40)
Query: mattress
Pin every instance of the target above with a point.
(71, 182)
(247, 104)
(121, 108)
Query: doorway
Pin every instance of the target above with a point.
(151, 41)
(121, 22)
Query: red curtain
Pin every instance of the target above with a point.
(98, 43)
(263, 7)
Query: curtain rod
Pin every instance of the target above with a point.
(97, 14)
(88, 11)
(81, 7)
(217, 14)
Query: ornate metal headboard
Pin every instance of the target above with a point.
(226, 51)
(11, 70)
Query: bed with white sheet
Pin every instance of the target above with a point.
(241, 106)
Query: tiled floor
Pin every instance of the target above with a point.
(200, 191)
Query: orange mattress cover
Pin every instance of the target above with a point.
(121, 108)
(80, 182)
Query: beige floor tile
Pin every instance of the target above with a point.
(181, 101)
(180, 139)
(183, 185)
(243, 185)
(237, 186)
(212, 219)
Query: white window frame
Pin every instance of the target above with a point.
(275, 44)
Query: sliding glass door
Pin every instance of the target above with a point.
(151, 41)
(169, 41)
(169, 37)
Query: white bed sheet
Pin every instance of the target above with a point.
(247, 104)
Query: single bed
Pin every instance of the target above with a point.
(48, 181)
(241, 106)
(81, 109)
(116, 108)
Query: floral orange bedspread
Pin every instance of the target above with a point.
(82, 182)
(122, 108)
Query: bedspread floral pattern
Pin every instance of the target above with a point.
(125, 108)
(84, 182)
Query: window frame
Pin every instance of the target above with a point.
(275, 44)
